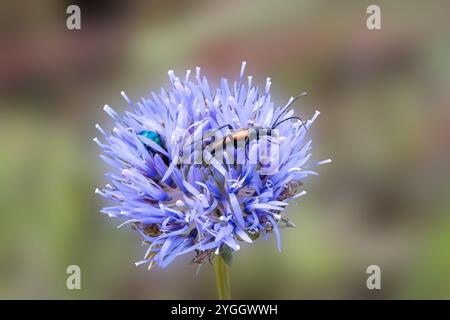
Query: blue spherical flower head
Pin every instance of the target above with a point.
(201, 170)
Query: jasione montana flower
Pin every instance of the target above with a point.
(209, 206)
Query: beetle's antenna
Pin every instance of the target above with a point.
(303, 122)
(227, 125)
(285, 108)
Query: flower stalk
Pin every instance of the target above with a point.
(222, 278)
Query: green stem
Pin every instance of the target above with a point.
(222, 278)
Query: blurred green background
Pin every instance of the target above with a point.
(384, 97)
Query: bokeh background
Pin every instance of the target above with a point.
(384, 97)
